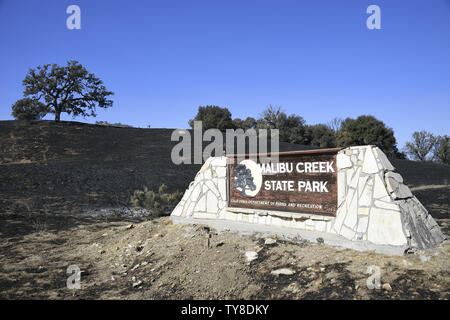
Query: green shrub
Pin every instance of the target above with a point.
(159, 203)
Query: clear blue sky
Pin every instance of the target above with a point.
(314, 58)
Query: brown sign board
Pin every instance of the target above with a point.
(301, 181)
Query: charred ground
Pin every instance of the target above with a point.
(51, 173)
(70, 166)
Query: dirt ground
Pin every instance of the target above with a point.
(52, 172)
(130, 258)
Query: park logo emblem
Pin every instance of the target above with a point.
(247, 178)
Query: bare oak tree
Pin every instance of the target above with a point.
(421, 145)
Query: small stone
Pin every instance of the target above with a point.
(135, 267)
(395, 176)
(251, 255)
(386, 286)
(130, 226)
(284, 271)
(219, 244)
(270, 241)
(406, 263)
(136, 284)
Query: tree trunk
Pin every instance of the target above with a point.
(57, 110)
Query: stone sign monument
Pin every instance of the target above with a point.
(348, 197)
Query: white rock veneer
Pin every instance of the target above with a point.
(374, 205)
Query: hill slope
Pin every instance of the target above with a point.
(69, 166)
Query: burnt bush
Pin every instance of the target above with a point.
(160, 203)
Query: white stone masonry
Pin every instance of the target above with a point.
(373, 203)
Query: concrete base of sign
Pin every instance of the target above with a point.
(291, 234)
(375, 209)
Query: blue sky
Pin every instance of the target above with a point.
(314, 58)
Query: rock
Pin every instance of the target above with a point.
(425, 258)
(402, 193)
(269, 241)
(380, 189)
(135, 267)
(136, 284)
(188, 235)
(284, 271)
(386, 164)
(219, 244)
(251, 255)
(386, 286)
(343, 161)
(406, 263)
(385, 227)
(392, 175)
(130, 226)
(370, 163)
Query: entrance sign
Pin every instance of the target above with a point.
(349, 197)
(302, 181)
